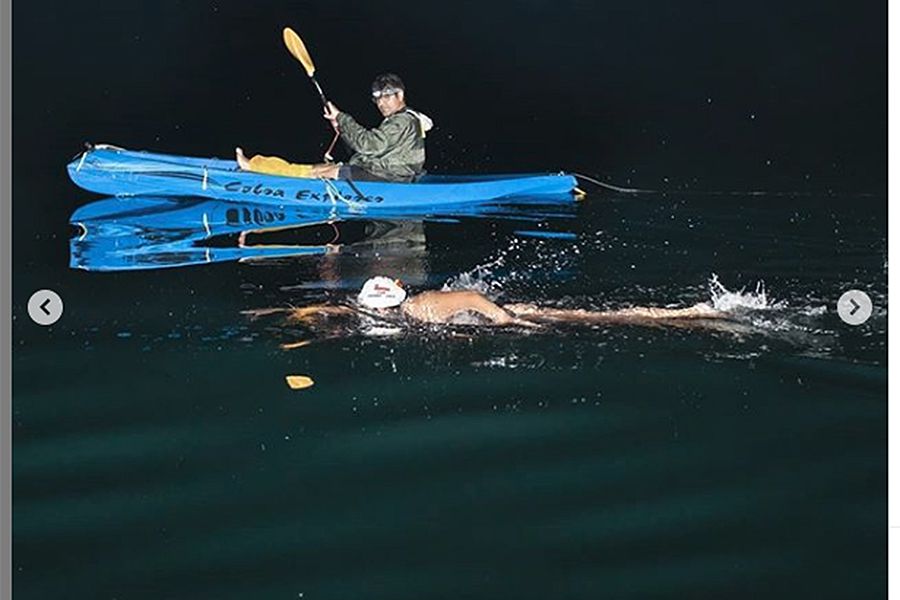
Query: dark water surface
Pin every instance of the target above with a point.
(159, 453)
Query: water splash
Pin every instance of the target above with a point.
(482, 278)
(524, 265)
(800, 326)
(725, 300)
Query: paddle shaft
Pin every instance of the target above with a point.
(319, 89)
(337, 133)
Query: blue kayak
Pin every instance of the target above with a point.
(118, 172)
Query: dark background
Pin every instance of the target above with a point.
(655, 94)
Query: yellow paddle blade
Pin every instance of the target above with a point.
(296, 47)
(298, 382)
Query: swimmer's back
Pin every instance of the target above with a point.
(442, 307)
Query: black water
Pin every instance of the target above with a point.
(158, 451)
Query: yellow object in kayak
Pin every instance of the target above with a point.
(273, 165)
(298, 382)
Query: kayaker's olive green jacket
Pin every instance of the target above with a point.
(395, 150)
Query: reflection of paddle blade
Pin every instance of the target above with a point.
(298, 382)
(297, 48)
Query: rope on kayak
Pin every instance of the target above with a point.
(354, 188)
(335, 194)
(329, 190)
(206, 225)
(609, 186)
(702, 192)
(205, 177)
(81, 162)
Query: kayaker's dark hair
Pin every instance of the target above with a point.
(388, 80)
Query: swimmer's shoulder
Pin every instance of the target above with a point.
(442, 296)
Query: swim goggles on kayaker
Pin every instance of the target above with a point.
(377, 94)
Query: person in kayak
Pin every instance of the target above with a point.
(386, 298)
(393, 151)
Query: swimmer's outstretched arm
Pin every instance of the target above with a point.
(627, 315)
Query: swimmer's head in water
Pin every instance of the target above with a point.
(381, 292)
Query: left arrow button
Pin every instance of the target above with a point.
(45, 307)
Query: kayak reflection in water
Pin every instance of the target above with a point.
(385, 298)
(393, 151)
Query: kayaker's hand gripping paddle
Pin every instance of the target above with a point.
(298, 50)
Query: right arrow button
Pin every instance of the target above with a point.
(854, 307)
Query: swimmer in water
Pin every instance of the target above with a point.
(386, 298)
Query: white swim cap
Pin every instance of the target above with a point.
(381, 292)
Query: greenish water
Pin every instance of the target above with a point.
(158, 452)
